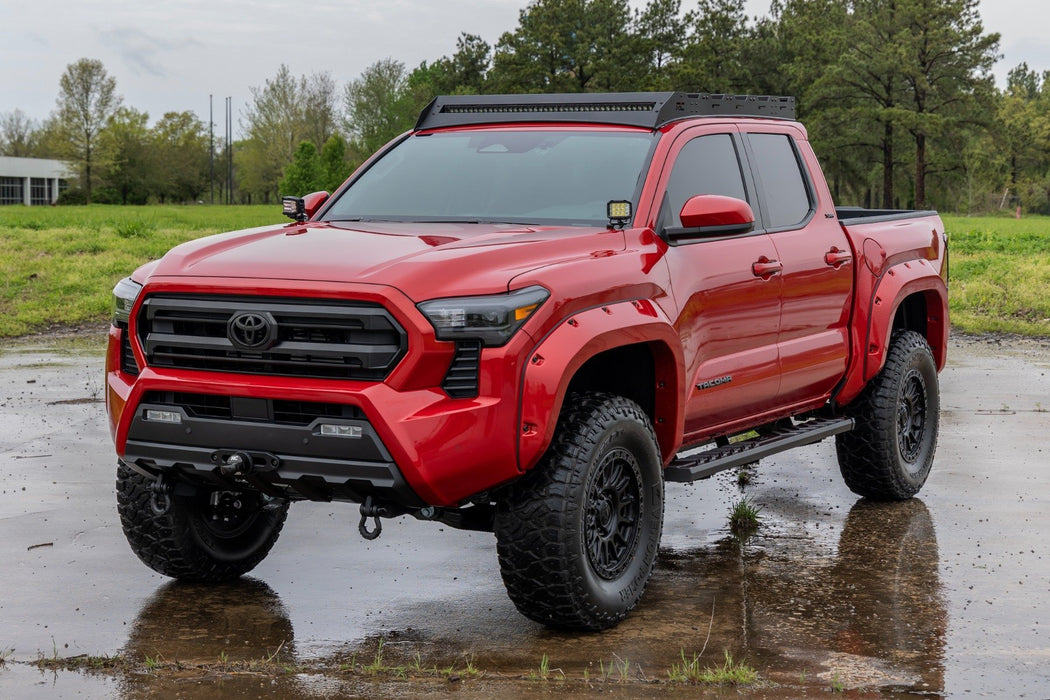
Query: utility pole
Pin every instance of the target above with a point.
(211, 146)
(229, 150)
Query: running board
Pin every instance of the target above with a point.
(709, 463)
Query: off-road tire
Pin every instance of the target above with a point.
(185, 543)
(577, 537)
(889, 453)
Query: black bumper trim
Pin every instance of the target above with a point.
(298, 478)
(310, 466)
(297, 440)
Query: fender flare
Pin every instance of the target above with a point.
(557, 358)
(896, 284)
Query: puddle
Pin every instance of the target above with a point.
(945, 595)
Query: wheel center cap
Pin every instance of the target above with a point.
(605, 513)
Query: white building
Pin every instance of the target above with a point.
(32, 181)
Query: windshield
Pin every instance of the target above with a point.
(526, 176)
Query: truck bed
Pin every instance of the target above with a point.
(859, 215)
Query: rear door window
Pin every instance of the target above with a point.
(786, 195)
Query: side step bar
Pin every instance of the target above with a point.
(709, 463)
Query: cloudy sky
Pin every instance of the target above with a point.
(169, 56)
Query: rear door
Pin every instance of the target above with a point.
(729, 317)
(817, 264)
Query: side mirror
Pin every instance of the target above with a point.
(712, 215)
(713, 210)
(303, 208)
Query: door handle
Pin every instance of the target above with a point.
(836, 257)
(766, 268)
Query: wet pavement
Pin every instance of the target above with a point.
(947, 595)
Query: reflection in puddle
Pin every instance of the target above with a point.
(872, 616)
(803, 612)
(200, 624)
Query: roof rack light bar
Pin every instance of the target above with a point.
(646, 109)
(548, 107)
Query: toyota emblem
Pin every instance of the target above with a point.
(252, 330)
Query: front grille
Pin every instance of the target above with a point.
(312, 338)
(461, 380)
(279, 411)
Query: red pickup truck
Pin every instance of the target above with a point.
(524, 316)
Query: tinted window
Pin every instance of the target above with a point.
(705, 165)
(494, 175)
(786, 195)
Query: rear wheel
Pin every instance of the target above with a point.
(577, 537)
(208, 536)
(889, 454)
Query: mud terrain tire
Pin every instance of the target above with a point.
(577, 537)
(889, 454)
(186, 543)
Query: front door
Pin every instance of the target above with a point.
(729, 303)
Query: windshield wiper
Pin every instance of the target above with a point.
(445, 221)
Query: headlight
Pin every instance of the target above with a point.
(490, 319)
(124, 295)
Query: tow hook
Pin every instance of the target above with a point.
(370, 510)
(160, 495)
(239, 463)
(235, 464)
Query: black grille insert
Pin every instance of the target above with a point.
(314, 338)
(461, 380)
(280, 411)
(127, 357)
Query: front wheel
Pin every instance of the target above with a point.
(890, 452)
(209, 536)
(577, 537)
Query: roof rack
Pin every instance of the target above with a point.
(646, 109)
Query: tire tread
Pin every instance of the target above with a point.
(534, 522)
(868, 455)
(165, 543)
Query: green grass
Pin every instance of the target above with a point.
(545, 672)
(380, 667)
(999, 274)
(58, 265)
(743, 520)
(729, 673)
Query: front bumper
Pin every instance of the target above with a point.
(417, 446)
(288, 453)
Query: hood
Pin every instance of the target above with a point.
(424, 261)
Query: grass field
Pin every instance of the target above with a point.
(1000, 274)
(59, 264)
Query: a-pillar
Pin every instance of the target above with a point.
(27, 191)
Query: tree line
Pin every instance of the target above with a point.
(897, 95)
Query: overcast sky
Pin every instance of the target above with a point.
(169, 56)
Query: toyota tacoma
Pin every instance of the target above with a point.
(524, 316)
